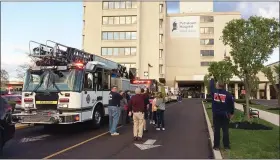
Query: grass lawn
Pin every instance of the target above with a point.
(266, 108)
(251, 144)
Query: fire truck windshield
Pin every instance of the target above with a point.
(52, 80)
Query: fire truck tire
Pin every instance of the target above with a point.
(97, 117)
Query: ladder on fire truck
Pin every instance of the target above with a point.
(62, 55)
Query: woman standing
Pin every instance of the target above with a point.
(160, 103)
(154, 110)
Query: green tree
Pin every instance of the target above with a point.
(221, 71)
(273, 78)
(252, 42)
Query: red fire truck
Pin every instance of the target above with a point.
(151, 84)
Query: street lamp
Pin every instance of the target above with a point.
(149, 66)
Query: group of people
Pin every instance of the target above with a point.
(142, 107)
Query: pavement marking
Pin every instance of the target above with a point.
(32, 139)
(77, 145)
(217, 154)
(147, 145)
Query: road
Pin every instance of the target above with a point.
(269, 103)
(186, 136)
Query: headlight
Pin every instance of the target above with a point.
(28, 105)
(62, 105)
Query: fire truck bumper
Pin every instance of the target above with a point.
(65, 118)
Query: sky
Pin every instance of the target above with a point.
(62, 22)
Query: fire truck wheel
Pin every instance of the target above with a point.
(97, 117)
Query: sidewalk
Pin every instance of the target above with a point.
(270, 117)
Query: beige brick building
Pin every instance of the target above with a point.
(178, 47)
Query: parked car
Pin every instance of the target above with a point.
(15, 102)
(7, 127)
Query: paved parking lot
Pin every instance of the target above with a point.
(186, 137)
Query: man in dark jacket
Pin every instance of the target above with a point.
(114, 110)
(223, 110)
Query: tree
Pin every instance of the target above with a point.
(221, 71)
(273, 79)
(252, 42)
(21, 70)
(255, 85)
(4, 77)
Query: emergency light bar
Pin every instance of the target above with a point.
(141, 82)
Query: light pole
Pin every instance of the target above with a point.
(149, 66)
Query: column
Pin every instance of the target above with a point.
(267, 88)
(205, 92)
(176, 84)
(226, 87)
(236, 90)
(258, 94)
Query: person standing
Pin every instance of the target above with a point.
(154, 110)
(123, 108)
(137, 106)
(160, 103)
(223, 110)
(128, 118)
(146, 111)
(114, 110)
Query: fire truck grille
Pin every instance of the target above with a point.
(41, 97)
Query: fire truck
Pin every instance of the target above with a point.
(153, 85)
(68, 85)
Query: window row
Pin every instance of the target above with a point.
(118, 35)
(207, 42)
(119, 20)
(160, 69)
(207, 52)
(120, 5)
(206, 19)
(207, 30)
(129, 65)
(205, 63)
(120, 51)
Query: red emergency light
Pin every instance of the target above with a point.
(141, 82)
(79, 65)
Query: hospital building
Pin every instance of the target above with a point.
(175, 48)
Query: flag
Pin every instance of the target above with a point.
(150, 65)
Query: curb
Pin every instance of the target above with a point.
(217, 154)
(22, 126)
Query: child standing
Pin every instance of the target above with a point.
(160, 104)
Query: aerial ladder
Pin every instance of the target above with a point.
(56, 54)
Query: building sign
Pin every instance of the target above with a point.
(187, 27)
